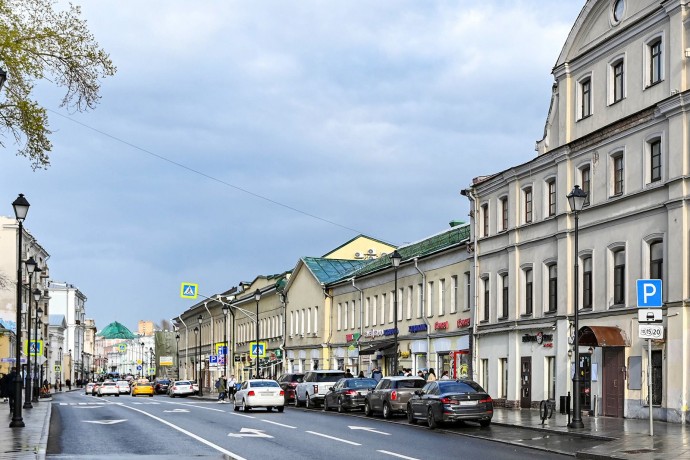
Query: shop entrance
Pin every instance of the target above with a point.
(526, 382)
(614, 380)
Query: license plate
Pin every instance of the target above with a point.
(468, 403)
(266, 393)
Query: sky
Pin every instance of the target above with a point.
(239, 136)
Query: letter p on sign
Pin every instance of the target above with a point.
(649, 294)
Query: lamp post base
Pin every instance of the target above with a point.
(576, 424)
(28, 405)
(18, 423)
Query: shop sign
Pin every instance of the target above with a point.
(441, 325)
(352, 337)
(391, 331)
(540, 338)
(417, 328)
(464, 322)
(404, 354)
(374, 333)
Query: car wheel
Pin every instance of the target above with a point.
(309, 403)
(118, 395)
(367, 409)
(341, 409)
(484, 423)
(325, 405)
(281, 409)
(298, 403)
(269, 409)
(245, 408)
(150, 396)
(387, 411)
(431, 420)
(236, 408)
(410, 416)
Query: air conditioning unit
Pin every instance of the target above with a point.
(371, 252)
(358, 255)
(290, 335)
(301, 335)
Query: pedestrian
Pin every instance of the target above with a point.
(221, 389)
(445, 376)
(431, 377)
(348, 374)
(361, 375)
(68, 382)
(2, 388)
(377, 374)
(10, 387)
(420, 373)
(231, 387)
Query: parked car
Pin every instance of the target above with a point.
(161, 386)
(89, 388)
(123, 386)
(348, 394)
(108, 388)
(288, 382)
(450, 401)
(255, 393)
(391, 395)
(314, 386)
(145, 389)
(180, 388)
(96, 386)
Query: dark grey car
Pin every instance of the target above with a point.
(391, 395)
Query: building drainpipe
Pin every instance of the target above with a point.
(330, 329)
(361, 324)
(213, 342)
(284, 301)
(469, 193)
(186, 347)
(428, 325)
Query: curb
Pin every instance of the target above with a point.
(555, 431)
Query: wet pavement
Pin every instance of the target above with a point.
(30, 441)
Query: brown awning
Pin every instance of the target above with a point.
(369, 348)
(602, 336)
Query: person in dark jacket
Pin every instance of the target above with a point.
(10, 387)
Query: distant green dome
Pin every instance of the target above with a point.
(116, 330)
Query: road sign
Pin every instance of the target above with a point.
(651, 331)
(221, 348)
(257, 350)
(213, 360)
(33, 348)
(649, 315)
(649, 294)
(189, 290)
(57, 368)
(238, 359)
(139, 367)
(122, 347)
(221, 360)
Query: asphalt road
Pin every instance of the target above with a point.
(160, 427)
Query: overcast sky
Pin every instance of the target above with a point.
(237, 137)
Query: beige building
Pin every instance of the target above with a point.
(145, 327)
(618, 128)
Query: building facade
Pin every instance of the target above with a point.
(67, 300)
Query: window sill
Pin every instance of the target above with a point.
(503, 318)
(484, 321)
(551, 312)
(584, 117)
(616, 102)
(617, 306)
(653, 84)
(526, 315)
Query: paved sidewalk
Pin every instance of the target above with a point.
(30, 441)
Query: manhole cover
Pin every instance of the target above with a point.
(638, 451)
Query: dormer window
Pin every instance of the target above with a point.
(618, 10)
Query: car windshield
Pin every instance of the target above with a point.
(297, 378)
(361, 383)
(109, 384)
(263, 384)
(144, 384)
(164, 382)
(410, 383)
(329, 377)
(459, 387)
(183, 382)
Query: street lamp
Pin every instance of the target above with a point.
(3, 77)
(395, 260)
(257, 297)
(28, 382)
(59, 377)
(151, 360)
(196, 334)
(201, 375)
(177, 351)
(576, 200)
(39, 312)
(142, 360)
(226, 309)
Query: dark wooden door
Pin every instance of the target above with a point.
(614, 380)
(526, 382)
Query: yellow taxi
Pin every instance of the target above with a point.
(142, 388)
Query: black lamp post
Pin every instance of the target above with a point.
(177, 351)
(576, 200)
(196, 335)
(151, 361)
(201, 374)
(226, 309)
(142, 360)
(257, 297)
(3, 77)
(395, 260)
(28, 383)
(58, 381)
(39, 312)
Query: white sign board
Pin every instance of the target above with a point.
(651, 331)
(649, 315)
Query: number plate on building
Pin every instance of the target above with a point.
(651, 331)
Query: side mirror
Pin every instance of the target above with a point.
(418, 392)
(330, 388)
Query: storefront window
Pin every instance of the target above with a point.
(443, 364)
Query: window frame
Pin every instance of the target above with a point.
(505, 295)
(654, 55)
(551, 201)
(585, 97)
(586, 181)
(587, 281)
(619, 275)
(528, 275)
(618, 173)
(486, 284)
(618, 86)
(528, 198)
(654, 146)
(552, 288)
(656, 265)
(485, 219)
(504, 213)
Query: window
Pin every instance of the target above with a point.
(420, 300)
(586, 183)
(655, 160)
(528, 205)
(454, 294)
(618, 171)
(309, 318)
(587, 282)
(373, 311)
(382, 317)
(316, 320)
(485, 374)
(656, 260)
(551, 187)
(410, 295)
(585, 97)
(553, 288)
(340, 313)
(504, 295)
(551, 377)
(619, 277)
(391, 306)
(430, 300)
(655, 62)
(504, 213)
(441, 296)
(503, 392)
(486, 298)
(529, 285)
(366, 311)
(468, 291)
(352, 315)
(485, 219)
(618, 80)
(346, 310)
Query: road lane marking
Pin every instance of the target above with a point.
(397, 455)
(189, 433)
(177, 410)
(192, 405)
(333, 438)
(279, 424)
(242, 415)
(105, 422)
(250, 433)
(366, 428)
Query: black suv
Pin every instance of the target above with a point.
(161, 386)
(288, 382)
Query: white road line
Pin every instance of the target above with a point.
(192, 405)
(397, 455)
(241, 415)
(190, 434)
(334, 438)
(279, 424)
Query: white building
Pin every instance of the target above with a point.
(66, 299)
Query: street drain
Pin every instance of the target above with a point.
(638, 451)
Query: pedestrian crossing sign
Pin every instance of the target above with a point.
(257, 350)
(57, 368)
(189, 290)
(33, 347)
(122, 347)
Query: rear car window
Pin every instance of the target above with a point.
(297, 378)
(329, 377)
(265, 384)
(361, 383)
(460, 387)
(410, 383)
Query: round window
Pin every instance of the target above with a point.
(618, 10)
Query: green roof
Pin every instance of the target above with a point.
(329, 270)
(116, 330)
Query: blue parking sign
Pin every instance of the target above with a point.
(649, 294)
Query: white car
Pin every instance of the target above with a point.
(108, 388)
(312, 390)
(89, 388)
(260, 393)
(123, 387)
(180, 388)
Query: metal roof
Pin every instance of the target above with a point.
(329, 270)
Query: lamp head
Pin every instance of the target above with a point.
(196, 330)
(257, 295)
(30, 264)
(201, 319)
(396, 258)
(576, 199)
(226, 309)
(21, 207)
(37, 297)
(177, 337)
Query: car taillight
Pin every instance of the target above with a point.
(448, 401)
(251, 393)
(292, 384)
(316, 388)
(394, 395)
(486, 400)
(282, 393)
(174, 388)
(350, 392)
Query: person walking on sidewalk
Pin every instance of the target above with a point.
(10, 387)
(221, 389)
(68, 382)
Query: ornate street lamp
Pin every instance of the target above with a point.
(257, 297)
(576, 200)
(196, 336)
(201, 375)
(226, 310)
(39, 312)
(142, 360)
(177, 350)
(59, 377)
(3, 77)
(28, 381)
(395, 261)
(151, 360)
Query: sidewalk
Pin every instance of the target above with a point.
(31, 441)
(627, 438)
